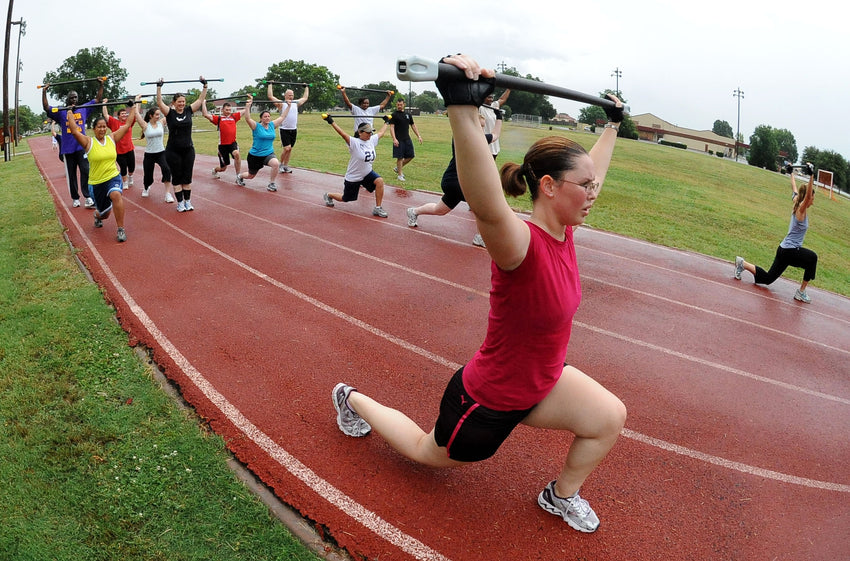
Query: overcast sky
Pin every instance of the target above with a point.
(678, 60)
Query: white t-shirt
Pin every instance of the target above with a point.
(362, 155)
(290, 122)
(490, 124)
(363, 115)
(153, 136)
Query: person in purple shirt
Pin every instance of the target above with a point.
(69, 149)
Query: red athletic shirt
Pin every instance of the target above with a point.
(226, 127)
(529, 326)
(126, 143)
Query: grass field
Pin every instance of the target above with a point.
(99, 464)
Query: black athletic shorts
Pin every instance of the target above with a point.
(288, 137)
(225, 151)
(351, 189)
(256, 163)
(469, 431)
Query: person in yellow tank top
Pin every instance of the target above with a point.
(104, 176)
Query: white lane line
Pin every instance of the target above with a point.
(737, 466)
(320, 486)
(718, 314)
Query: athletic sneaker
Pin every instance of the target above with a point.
(328, 200)
(98, 223)
(239, 180)
(802, 296)
(281, 168)
(169, 198)
(187, 205)
(122, 235)
(180, 207)
(739, 267)
(478, 240)
(271, 187)
(215, 174)
(287, 169)
(574, 510)
(89, 202)
(401, 177)
(76, 203)
(131, 181)
(348, 421)
(378, 211)
(395, 169)
(411, 217)
(146, 193)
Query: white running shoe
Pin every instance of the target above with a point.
(187, 205)
(180, 207)
(411, 217)
(146, 193)
(76, 203)
(169, 198)
(573, 509)
(89, 202)
(478, 240)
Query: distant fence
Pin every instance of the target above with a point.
(526, 120)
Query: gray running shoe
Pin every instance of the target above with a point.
(328, 200)
(239, 180)
(98, 223)
(180, 207)
(574, 510)
(478, 240)
(411, 217)
(287, 169)
(271, 187)
(122, 235)
(349, 422)
(739, 267)
(281, 168)
(187, 205)
(802, 296)
(378, 211)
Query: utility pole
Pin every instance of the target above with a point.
(22, 30)
(740, 95)
(6, 155)
(501, 67)
(618, 73)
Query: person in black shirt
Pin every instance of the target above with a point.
(400, 125)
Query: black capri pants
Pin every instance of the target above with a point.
(799, 257)
(152, 158)
(181, 161)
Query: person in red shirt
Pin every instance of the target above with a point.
(227, 145)
(126, 149)
(519, 374)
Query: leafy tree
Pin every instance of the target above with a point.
(723, 128)
(322, 83)
(764, 148)
(429, 102)
(194, 93)
(88, 63)
(375, 98)
(27, 120)
(594, 115)
(786, 143)
(829, 161)
(525, 103)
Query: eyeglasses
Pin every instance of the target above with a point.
(591, 187)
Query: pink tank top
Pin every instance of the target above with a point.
(529, 326)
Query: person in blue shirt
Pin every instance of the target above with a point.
(790, 252)
(262, 150)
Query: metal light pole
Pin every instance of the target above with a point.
(618, 73)
(740, 95)
(22, 30)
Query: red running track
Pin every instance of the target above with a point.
(258, 303)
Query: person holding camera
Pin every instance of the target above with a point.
(518, 374)
(790, 252)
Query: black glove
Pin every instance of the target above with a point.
(329, 119)
(810, 169)
(159, 83)
(386, 119)
(789, 169)
(130, 103)
(614, 114)
(203, 81)
(498, 113)
(463, 91)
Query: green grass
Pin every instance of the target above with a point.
(664, 195)
(97, 462)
